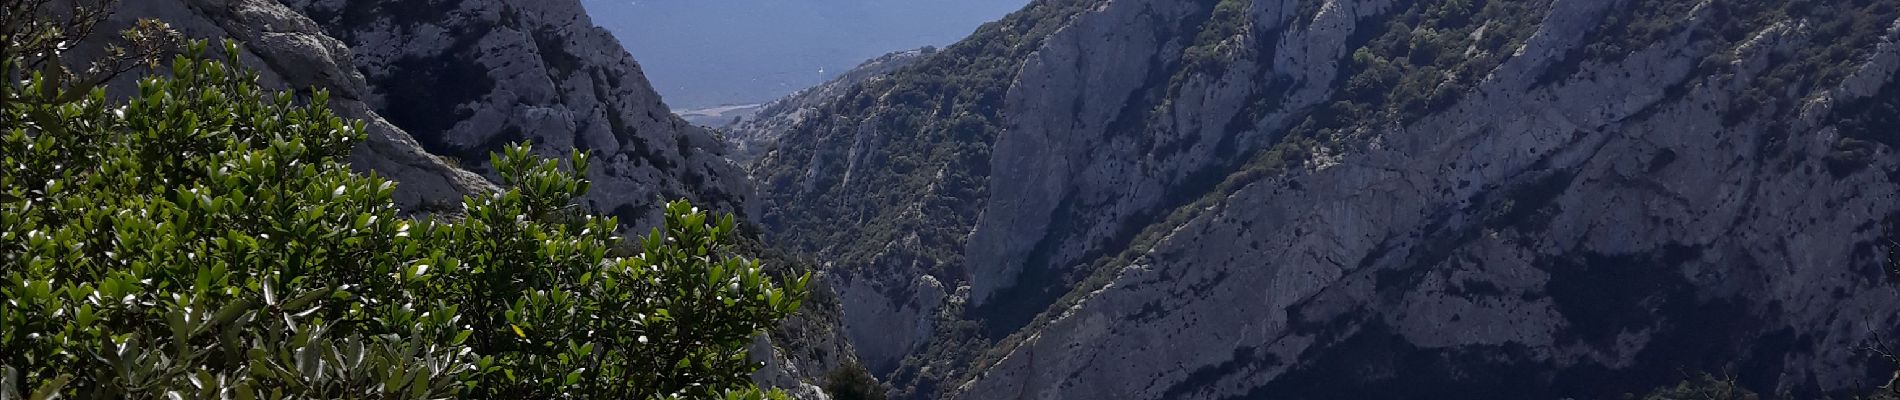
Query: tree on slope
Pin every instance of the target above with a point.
(203, 239)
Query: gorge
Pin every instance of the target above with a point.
(1221, 199)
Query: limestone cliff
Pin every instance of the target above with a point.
(1175, 199)
(466, 77)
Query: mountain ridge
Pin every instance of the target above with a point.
(1493, 164)
(1226, 199)
(469, 76)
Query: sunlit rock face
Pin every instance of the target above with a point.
(1172, 199)
(468, 77)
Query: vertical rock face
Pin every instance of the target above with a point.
(1175, 199)
(886, 179)
(467, 77)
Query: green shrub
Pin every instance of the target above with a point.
(1227, 20)
(1423, 58)
(204, 239)
(853, 382)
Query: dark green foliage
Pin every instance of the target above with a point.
(853, 382)
(1703, 387)
(1632, 27)
(36, 34)
(1228, 20)
(203, 239)
(1840, 34)
(675, 319)
(1218, 42)
(1426, 57)
(146, 245)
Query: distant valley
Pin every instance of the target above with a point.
(704, 54)
(719, 115)
(1084, 199)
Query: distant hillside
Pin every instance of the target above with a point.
(754, 129)
(701, 54)
(1362, 199)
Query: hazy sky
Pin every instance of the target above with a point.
(702, 53)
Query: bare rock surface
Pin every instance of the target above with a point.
(467, 77)
(1253, 198)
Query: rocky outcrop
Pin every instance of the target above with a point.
(778, 370)
(466, 77)
(808, 349)
(1366, 199)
